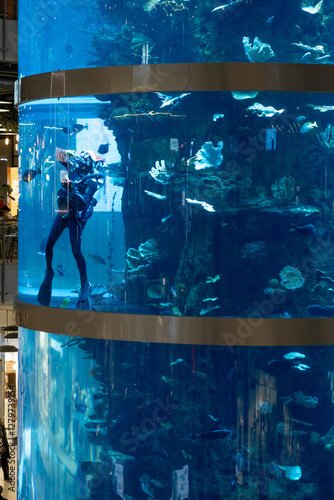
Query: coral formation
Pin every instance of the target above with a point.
(326, 138)
(257, 51)
(209, 156)
(255, 252)
(291, 278)
(284, 189)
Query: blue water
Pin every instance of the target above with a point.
(69, 35)
(124, 416)
(213, 204)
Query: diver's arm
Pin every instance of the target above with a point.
(86, 197)
(64, 159)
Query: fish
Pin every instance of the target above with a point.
(223, 7)
(68, 49)
(29, 175)
(213, 418)
(210, 279)
(301, 367)
(204, 204)
(80, 406)
(60, 270)
(320, 311)
(207, 310)
(299, 118)
(307, 127)
(103, 148)
(74, 128)
(177, 362)
(294, 473)
(96, 258)
(155, 195)
(304, 229)
(270, 19)
(294, 355)
(168, 100)
(65, 302)
(277, 365)
(216, 434)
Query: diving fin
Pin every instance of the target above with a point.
(44, 294)
(84, 303)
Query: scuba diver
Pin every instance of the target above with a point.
(75, 200)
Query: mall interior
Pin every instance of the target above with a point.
(166, 250)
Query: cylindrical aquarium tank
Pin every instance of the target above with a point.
(176, 250)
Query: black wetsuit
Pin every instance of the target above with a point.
(75, 204)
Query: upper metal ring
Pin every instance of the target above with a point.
(283, 77)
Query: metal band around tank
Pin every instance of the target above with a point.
(175, 329)
(284, 77)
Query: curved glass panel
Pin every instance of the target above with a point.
(129, 420)
(201, 204)
(60, 35)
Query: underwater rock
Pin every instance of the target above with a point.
(284, 189)
(267, 111)
(291, 278)
(255, 252)
(257, 51)
(209, 156)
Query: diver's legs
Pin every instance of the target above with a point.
(75, 238)
(57, 228)
(44, 294)
(84, 302)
